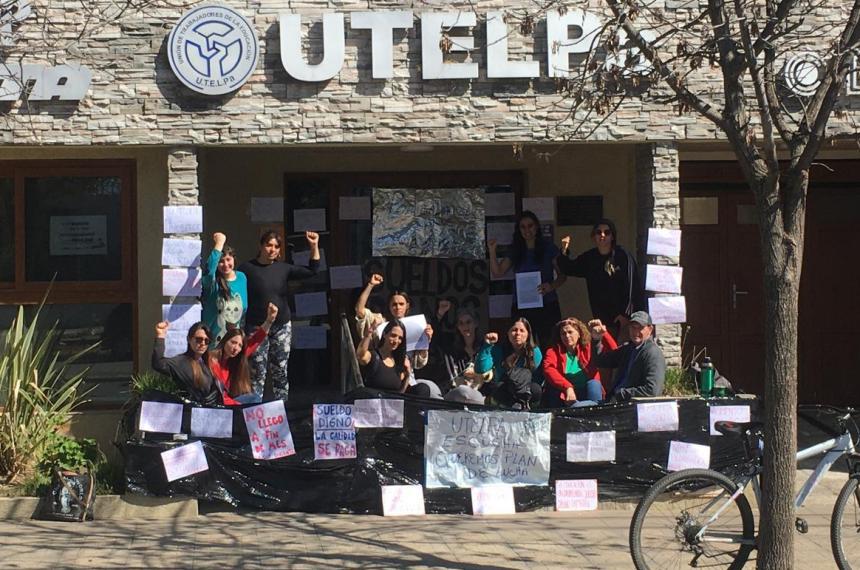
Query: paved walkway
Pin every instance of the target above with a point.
(288, 540)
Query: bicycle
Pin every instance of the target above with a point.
(704, 515)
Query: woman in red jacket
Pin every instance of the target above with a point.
(229, 362)
(567, 365)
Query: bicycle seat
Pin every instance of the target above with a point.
(735, 428)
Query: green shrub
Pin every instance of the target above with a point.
(36, 393)
(680, 382)
(150, 380)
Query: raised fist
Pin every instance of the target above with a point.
(491, 337)
(376, 279)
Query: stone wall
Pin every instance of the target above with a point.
(135, 98)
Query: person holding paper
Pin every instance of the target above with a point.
(640, 365)
(515, 363)
(190, 369)
(229, 362)
(614, 287)
(570, 373)
(384, 362)
(530, 252)
(225, 291)
(399, 305)
(267, 283)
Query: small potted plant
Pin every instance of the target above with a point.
(71, 465)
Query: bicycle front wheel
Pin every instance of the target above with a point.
(688, 519)
(845, 526)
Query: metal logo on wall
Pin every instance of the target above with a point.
(213, 50)
(34, 81)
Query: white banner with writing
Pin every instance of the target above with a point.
(477, 449)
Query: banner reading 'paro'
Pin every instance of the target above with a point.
(475, 449)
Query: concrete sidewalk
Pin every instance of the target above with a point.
(294, 540)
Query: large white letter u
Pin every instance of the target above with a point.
(334, 47)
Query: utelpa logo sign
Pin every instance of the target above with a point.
(213, 50)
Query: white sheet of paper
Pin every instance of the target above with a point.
(668, 309)
(309, 219)
(183, 219)
(587, 447)
(184, 460)
(309, 338)
(180, 252)
(500, 306)
(416, 338)
(311, 304)
(354, 208)
(175, 343)
(688, 456)
(160, 417)
(211, 422)
(267, 210)
(528, 296)
(493, 500)
(269, 430)
(180, 316)
(502, 232)
(402, 500)
(663, 278)
(180, 282)
(664, 242)
(576, 495)
(345, 276)
(543, 208)
(499, 204)
(738, 414)
(303, 258)
(657, 416)
(378, 413)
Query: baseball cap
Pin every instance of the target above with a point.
(642, 318)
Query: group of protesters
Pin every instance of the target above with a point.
(239, 353)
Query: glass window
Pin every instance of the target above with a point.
(7, 229)
(700, 211)
(73, 228)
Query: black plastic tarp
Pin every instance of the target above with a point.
(396, 457)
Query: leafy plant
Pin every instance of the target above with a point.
(69, 454)
(36, 393)
(680, 382)
(150, 380)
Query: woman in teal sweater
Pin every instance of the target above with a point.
(515, 362)
(225, 290)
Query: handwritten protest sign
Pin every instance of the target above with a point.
(183, 219)
(416, 338)
(269, 430)
(591, 446)
(738, 414)
(378, 413)
(160, 417)
(334, 434)
(211, 422)
(657, 416)
(477, 449)
(576, 495)
(688, 456)
(493, 500)
(663, 241)
(183, 461)
(402, 500)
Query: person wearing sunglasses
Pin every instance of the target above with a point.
(614, 288)
(190, 369)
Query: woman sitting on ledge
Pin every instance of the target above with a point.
(385, 365)
(189, 370)
(570, 374)
(515, 362)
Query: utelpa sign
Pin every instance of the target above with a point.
(213, 49)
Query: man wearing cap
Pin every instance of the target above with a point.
(640, 365)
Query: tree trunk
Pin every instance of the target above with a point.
(782, 253)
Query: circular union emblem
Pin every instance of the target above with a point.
(802, 73)
(213, 49)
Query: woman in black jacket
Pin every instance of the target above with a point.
(189, 370)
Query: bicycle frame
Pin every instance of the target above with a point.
(832, 448)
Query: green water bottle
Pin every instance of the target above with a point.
(706, 378)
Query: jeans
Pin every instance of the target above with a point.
(269, 363)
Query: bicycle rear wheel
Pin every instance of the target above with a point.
(670, 527)
(845, 526)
